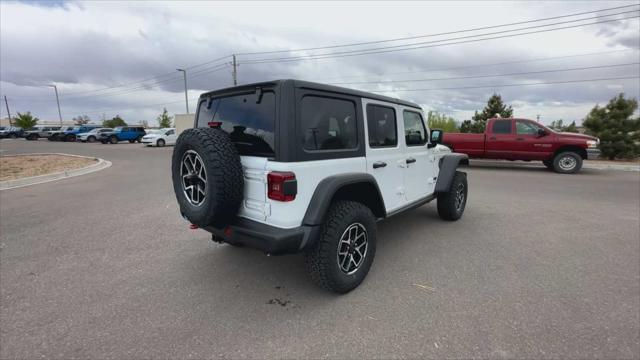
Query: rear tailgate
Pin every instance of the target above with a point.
(254, 204)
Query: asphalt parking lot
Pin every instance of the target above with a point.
(541, 265)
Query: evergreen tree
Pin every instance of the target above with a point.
(495, 107)
(613, 124)
(164, 120)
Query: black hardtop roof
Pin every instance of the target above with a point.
(313, 86)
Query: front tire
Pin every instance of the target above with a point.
(343, 255)
(160, 143)
(70, 138)
(567, 162)
(91, 139)
(452, 203)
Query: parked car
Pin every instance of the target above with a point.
(40, 131)
(123, 133)
(292, 166)
(10, 132)
(71, 133)
(58, 135)
(160, 137)
(523, 139)
(92, 135)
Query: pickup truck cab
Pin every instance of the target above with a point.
(122, 133)
(523, 139)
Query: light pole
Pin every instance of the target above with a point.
(58, 101)
(186, 99)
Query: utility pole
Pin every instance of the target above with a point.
(8, 112)
(186, 99)
(58, 101)
(235, 71)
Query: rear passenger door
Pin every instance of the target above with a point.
(385, 160)
(499, 139)
(419, 178)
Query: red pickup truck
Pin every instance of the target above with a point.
(522, 139)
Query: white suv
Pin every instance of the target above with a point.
(291, 166)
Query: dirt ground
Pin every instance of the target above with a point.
(16, 167)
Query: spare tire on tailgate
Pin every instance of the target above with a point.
(207, 176)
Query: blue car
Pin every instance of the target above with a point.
(123, 133)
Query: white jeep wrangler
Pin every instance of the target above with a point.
(291, 166)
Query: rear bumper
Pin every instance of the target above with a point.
(593, 154)
(272, 240)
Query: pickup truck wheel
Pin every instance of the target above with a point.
(341, 258)
(207, 176)
(567, 162)
(113, 139)
(451, 204)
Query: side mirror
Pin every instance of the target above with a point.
(436, 137)
(541, 132)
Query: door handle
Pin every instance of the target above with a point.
(411, 160)
(379, 164)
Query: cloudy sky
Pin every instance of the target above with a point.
(109, 58)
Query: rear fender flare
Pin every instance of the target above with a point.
(327, 189)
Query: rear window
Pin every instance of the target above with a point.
(502, 127)
(328, 123)
(249, 119)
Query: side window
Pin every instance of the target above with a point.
(502, 127)
(328, 123)
(170, 132)
(383, 128)
(125, 129)
(526, 128)
(414, 131)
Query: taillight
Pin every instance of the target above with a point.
(282, 186)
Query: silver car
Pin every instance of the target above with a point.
(92, 135)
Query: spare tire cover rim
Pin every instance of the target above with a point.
(194, 178)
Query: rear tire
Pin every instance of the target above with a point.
(567, 162)
(32, 137)
(91, 139)
(70, 138)
(113, 139)
(342, 257)
(451, 204)
(131, 141)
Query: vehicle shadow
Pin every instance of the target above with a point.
(231, 272)
(520, 167)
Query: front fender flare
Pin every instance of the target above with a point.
(448, 166)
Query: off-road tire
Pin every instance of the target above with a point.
(224, 176)
(91, 139)
(113, 139)
(160, 143)
(548, 164)
(559, 161)
(321, 260)
(450, 207)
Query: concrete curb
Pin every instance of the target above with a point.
(40, 179)
(585, 165)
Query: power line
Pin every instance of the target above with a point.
(486, 75)
(433, 35)
(486, 65)
(509, 85)
(414, 46)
